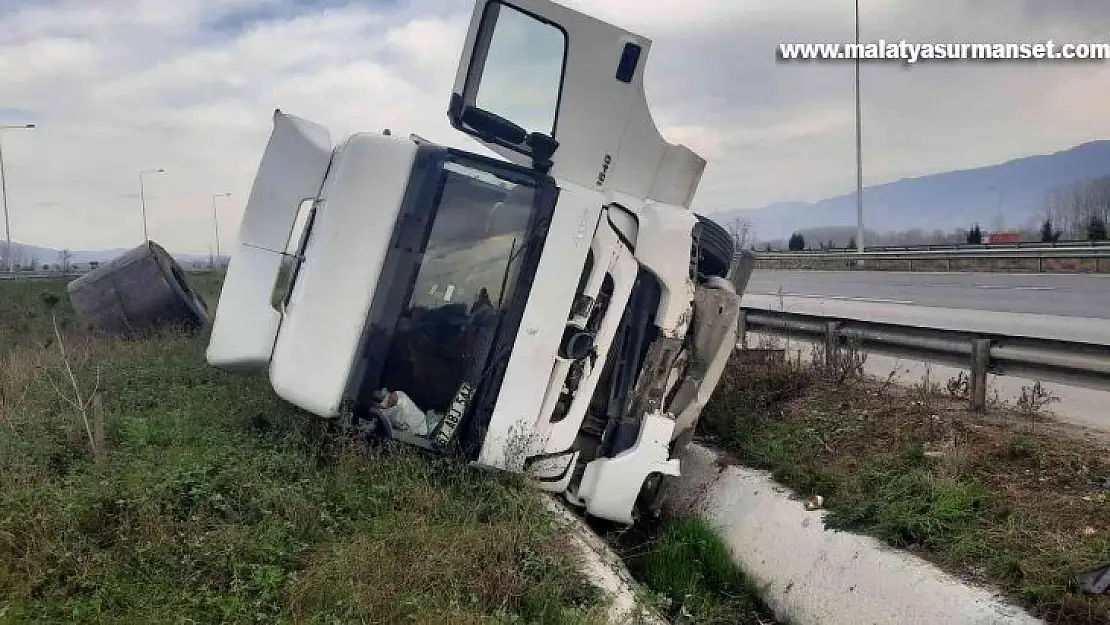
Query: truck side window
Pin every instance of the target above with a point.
(522, 74)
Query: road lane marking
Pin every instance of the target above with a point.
(879, 300)
(1013, 288)
(874, 300)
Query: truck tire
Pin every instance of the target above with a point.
(715, 248)
(137, 292)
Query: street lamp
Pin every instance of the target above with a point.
(216, 220)
(142, 197)
(998, 210)
(859, 149)
(4, 190)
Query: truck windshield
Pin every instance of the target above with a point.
(468, 274)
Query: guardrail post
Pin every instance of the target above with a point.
(832, 344)
(980, 361)
(742, 328)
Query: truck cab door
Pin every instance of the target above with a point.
(545, 86)
(292, 170)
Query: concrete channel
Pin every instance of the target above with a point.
(813, 576)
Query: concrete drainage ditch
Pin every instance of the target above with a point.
(604, 568)
(813, 576)
(807, 575)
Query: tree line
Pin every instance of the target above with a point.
(1075, 212)
(1078, 211)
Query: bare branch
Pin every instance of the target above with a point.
(61, 394)
(81, 404)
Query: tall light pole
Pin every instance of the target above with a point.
(998, 210)
(859, 149)
(216, 220)
(4, 190)
(142, 197)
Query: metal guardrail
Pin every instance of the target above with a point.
(967, 246)
(1102, 251)
(58, 275)
(1089, 259)
(38, 275)
(1068, 362)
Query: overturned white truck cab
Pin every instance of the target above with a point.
(558, 312)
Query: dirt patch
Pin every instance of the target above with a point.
(1011, 500)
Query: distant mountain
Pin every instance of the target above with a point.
(25, 254)
(942, 201)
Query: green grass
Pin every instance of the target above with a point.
(689, 567)
(216, 502)
(985, 501)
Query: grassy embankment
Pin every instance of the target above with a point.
(197, 496)
(1005, 500)
(187, 493)
(150, 487)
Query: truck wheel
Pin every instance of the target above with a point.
(715, 248)
(649, 505)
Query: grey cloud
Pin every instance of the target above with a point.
(160, 99)
(118, 90)
(929, 117)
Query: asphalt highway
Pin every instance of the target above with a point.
(1067, 295)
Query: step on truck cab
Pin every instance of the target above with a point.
(557, 310)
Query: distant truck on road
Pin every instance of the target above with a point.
(1003, 237)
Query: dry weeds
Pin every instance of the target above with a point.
(1008, 499)
(201, 497)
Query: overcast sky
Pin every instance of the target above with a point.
(118, 86)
